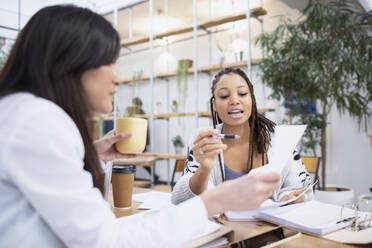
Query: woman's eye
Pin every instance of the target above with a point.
(243, 94)
(224, 97)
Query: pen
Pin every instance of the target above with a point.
(345, 220)
(226, 136)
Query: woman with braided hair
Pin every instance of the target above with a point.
(211, 161)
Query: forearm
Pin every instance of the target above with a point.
(213, 202)
(199, 181)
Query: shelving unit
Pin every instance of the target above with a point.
(206, 26)
(209, 68)
(170, 115)
(256, 12)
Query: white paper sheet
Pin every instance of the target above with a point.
(152, 199)
(283, 143)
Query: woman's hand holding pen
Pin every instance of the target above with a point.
(295, 194)
(206, 148)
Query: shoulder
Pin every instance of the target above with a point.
(40, 112)
(35, 122)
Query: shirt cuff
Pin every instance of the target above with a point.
(107, 167)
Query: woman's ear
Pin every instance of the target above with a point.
(214, 105)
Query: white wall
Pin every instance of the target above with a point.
(350, 153)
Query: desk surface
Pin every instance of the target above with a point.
(247, 229)
(145, 159)
(306, 240)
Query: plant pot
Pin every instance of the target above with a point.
(238, 56)
(178, 149)
(174, 108)
(131, 110)
(182, 63)
(335, 194)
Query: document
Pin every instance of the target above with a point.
(312, 217)
(283, 143)
(153, 199)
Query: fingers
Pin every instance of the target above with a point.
(269, 177)
(264, 183)
(127, 155)
(299, 200)
(110, 133)
(205, 149)
(208, 145)
(208, 132)
(299, 191)
(120, 137)
(286, 198)
(214, 147)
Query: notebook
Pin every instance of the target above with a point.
(311, 217)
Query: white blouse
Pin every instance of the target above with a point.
(48, 199)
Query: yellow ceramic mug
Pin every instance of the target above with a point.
(138, 128)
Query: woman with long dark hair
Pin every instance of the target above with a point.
(60, 70)
(211, 161)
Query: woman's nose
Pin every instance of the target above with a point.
(115, 74)
(234, 99)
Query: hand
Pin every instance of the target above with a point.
(206, 148)
(105, 146)
(295, 194)
(245, 193)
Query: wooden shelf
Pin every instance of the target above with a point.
(170, 115)
(208, 68)
(212, 23)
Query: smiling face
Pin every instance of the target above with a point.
(232, 101)
(100, 86)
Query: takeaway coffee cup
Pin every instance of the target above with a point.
(122, 185)
(138, 128)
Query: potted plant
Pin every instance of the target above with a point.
(182, 76)
(324, 59)
(178, 144)
(174, 106)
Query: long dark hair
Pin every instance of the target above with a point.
(260, 126)
(51, 53)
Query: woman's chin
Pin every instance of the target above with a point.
(105, 110)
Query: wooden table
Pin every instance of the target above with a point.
(245, 230)
(144, 159)
(305, 240)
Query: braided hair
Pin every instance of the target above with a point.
(261, 127)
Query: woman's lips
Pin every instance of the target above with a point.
(236, 114)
